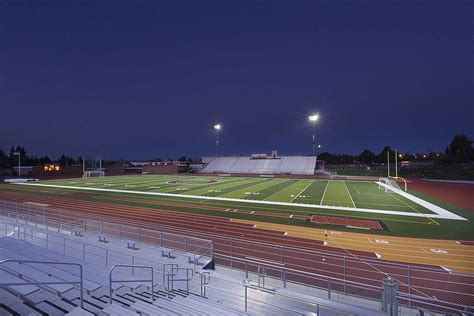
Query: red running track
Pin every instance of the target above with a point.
(459, 194)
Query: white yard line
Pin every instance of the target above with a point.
(325, 189)
(349, 194)
(302, 191)
(440, 212)
(358, 192)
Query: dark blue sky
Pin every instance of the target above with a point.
(145, 79)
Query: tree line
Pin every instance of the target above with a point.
(9, 160)
(460, 150)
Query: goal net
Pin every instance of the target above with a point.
(93, 167)
(388, 184)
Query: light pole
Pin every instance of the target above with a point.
(17, 153)
(313, 119)
(217, 128)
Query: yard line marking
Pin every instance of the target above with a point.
(325, 189)
(355, 188)
(302, 191)
(349, 194)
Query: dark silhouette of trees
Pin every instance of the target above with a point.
(459, 150)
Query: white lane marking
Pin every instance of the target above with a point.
(324, 194)
(296, 196)
(345, 184)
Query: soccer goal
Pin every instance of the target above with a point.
(388, 184)
(92, 167)
(93, 174)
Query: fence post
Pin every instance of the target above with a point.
(186, 244)
(281, 254)
(84, 251)
(106, 257)
(139, 233)
(231, 252)
(345, 282)
(133, 263)
(246, 289)
(120, 231)
(389, 297)
(212, 250)
(409, 286)
(329, 289)
(161, 239)
(64, 245)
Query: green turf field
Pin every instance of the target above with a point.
(351, 194)
(305, 197)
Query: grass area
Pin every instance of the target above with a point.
(353, 194)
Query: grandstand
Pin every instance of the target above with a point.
(62, 262)
(301, 165)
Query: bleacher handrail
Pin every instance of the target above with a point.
(80, 282)
(151, 280)
(107, 251)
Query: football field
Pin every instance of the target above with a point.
(345, 195)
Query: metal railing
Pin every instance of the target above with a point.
(171, 277)
(80, 282)
(133, 267)
(246, 285)
(63, 220)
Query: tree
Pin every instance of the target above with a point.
(382, 158)
(460, 150)
(367, 157)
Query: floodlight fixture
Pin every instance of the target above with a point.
(217, 128)
(313, 118)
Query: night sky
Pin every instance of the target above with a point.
(147, 79)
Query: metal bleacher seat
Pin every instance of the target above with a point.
(116, 309)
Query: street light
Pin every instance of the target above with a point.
(313, 118)
(217, 128)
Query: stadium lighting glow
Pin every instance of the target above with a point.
(217, 128)
(313, 118)
(319, 146)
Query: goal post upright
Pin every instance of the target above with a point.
(396, 164)
(388, 163)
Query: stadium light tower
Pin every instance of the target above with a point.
(313, 119)
(217, 128)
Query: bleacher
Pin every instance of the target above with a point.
(44, 277)
(301, 165)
